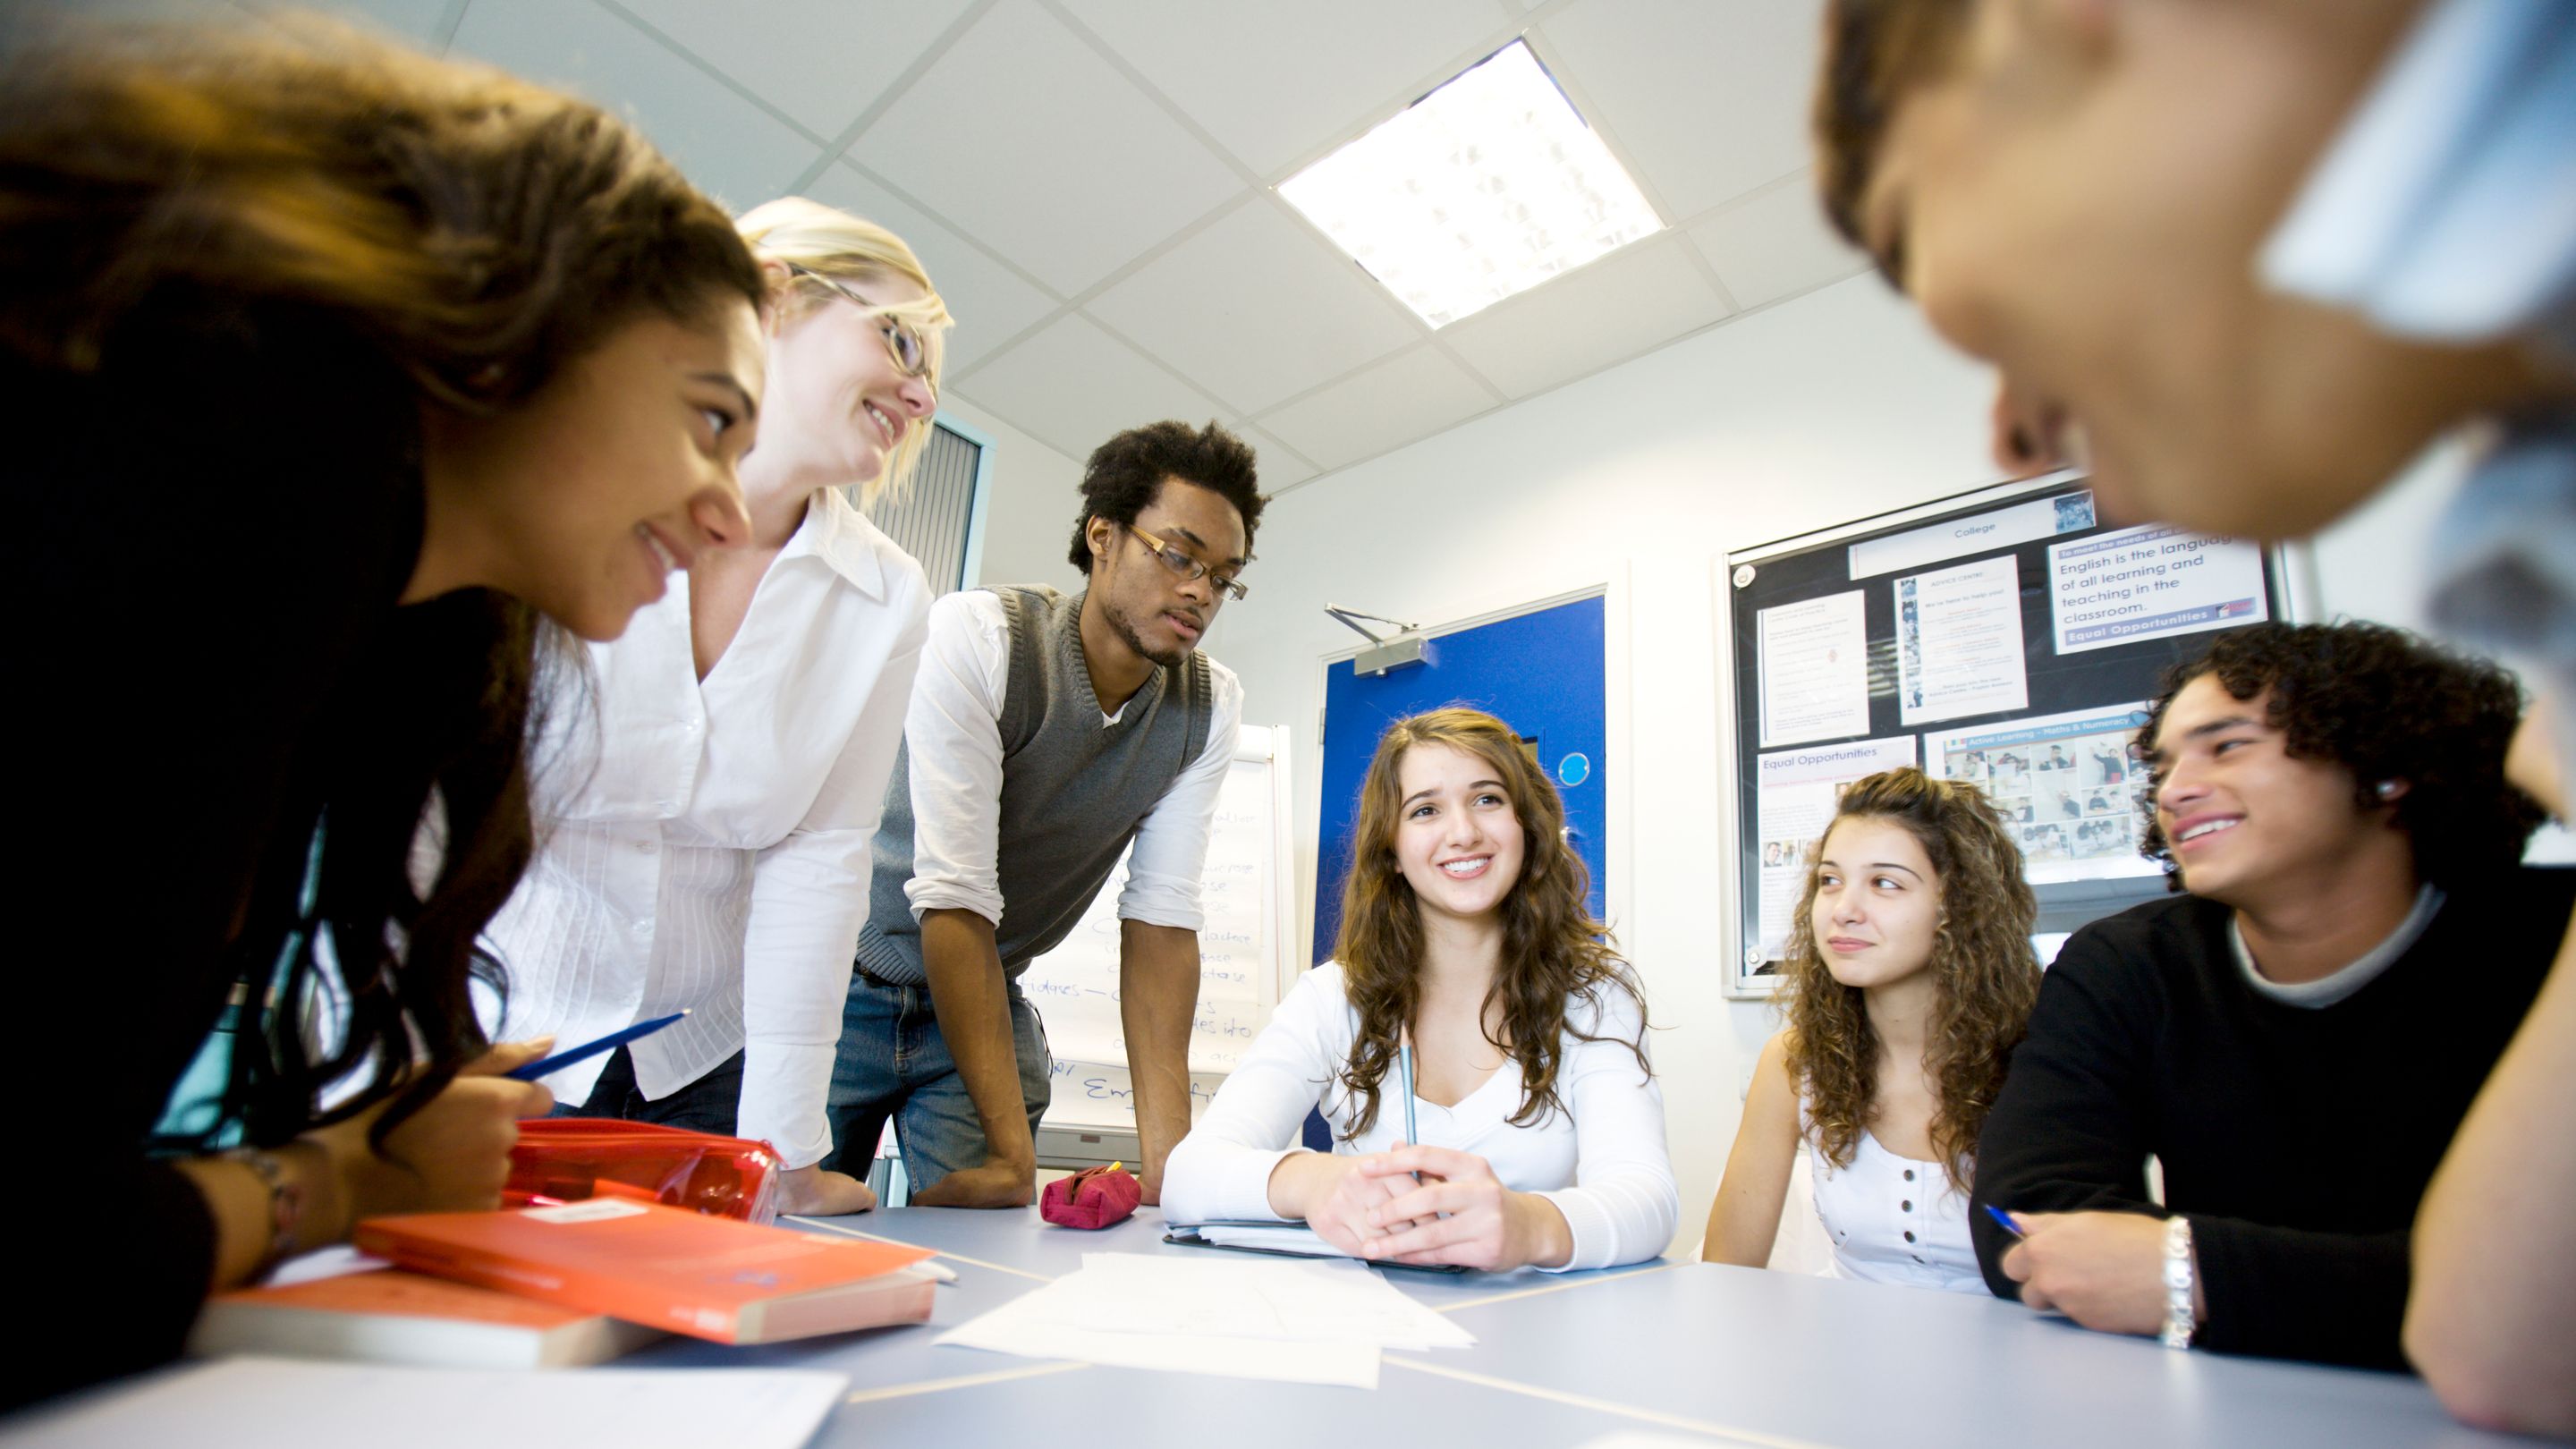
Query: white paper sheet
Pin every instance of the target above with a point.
(1814, 670)
(1977, 533)
(1958, 642)
(1279, 1237)
(1315, 1323)
(265, 1403)
(2154, 582)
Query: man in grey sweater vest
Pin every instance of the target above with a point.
(1046, 733)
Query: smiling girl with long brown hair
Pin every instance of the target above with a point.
(1464, 937)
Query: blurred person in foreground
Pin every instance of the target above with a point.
(2250, 259)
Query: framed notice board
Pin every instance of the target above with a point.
(2010, 637)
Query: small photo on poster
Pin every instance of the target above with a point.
(2072, 786)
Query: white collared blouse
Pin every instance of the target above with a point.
(1602, 1161)
(704, 844)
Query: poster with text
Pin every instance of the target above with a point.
(1958, 642)
(2070, 786)
(1792, 806)
(1814, 670)
(2152, 582)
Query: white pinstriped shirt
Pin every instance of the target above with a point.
(705, 844)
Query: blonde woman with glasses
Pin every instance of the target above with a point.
(708, 821)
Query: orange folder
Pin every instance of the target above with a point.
(669, 1268)
(386, 1315)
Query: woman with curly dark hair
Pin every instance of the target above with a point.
(343, 380)
(1910, 976)
(1470, 974)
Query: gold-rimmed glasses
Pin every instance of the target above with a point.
(1187, 568)
(911, 356)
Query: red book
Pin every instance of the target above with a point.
(665, 1267)
(389, 1316)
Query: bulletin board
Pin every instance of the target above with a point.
(2011, 637)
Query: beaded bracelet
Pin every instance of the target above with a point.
(2179, 1318)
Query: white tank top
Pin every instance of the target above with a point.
(1893, 1219)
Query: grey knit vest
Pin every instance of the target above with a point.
(1073, 792)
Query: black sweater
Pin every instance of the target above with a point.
(2298, 1140)
(213, 526)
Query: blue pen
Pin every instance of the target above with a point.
(1404, 1059)
(589, 1049)
(2005, 1218)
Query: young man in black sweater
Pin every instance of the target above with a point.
(2296, 1039)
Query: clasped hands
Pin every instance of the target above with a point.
(1456, 1213)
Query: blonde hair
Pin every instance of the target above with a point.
(832, 243)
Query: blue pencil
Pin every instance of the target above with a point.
(589, 1049)
(2005, 1218)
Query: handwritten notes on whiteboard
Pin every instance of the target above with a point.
(1075, 987)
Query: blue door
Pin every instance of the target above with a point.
(1539, 672)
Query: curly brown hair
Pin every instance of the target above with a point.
(1125, 475)
(1981, 960)
(1554, 952)
(2385, 705)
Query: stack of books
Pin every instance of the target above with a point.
(554, 1287)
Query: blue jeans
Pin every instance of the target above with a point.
(709, 1104)
(894, 1063)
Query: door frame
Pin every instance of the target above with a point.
(1618, 823)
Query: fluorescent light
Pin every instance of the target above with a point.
(1487, 186)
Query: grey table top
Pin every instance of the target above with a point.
(1701, 1353)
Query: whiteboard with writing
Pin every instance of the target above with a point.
(1243, 955)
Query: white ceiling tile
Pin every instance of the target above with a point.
(821, 61)
(1708, 98)
(1274, 82)
(1279, 465)
(731, 148)
(1030, 142)
(1408, 396)
(1071, 386)
(992, 303)
(1256, 308)
(1634, 299)
(1775, 245)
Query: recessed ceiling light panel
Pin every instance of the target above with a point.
(1487, 186)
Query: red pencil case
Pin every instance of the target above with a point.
(569, 1159)
(1097, 1197)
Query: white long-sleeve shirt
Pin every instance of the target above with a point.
(704, 844)
(955, 726)
(1607, 1169)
